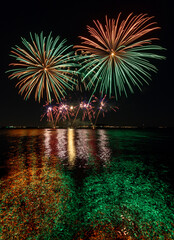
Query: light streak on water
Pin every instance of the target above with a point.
(82, 146)
(62, 143)
(71, 147)
(103, 145)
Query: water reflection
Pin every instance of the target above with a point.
(42, 200)
(104, 148)
(62, 143)
(127, 205)
(82, 144)
(77, 146)
(34, 205)
(71, 147)
(47, 142)
(89, 148)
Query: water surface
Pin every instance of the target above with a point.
(87, 184)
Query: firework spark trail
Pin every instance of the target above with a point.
(62, 112)
(100, 108)
(50, 114)
(47, 112)
(116, 57)
(50, 110)
(87, 110)
(104, 107)
(76, 114)
(44, 65)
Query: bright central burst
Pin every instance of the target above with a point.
(44, 65)
(116, 57)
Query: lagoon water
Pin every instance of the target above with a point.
(87, 184)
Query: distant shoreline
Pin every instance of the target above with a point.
(89, 127)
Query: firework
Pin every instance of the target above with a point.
(103, 107)
(64, 111)
(116, 57)
(87, 110)
(49, 112)
(44, 65)
(68, 110)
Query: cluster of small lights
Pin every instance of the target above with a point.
(63, 107)
(84, 105)
(90, 110)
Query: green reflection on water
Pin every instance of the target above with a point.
(127, 199)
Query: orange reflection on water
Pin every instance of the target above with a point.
(35, 191)
(29, 209)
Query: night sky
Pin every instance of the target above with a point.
(151, 107)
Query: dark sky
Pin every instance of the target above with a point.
(151, 107)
